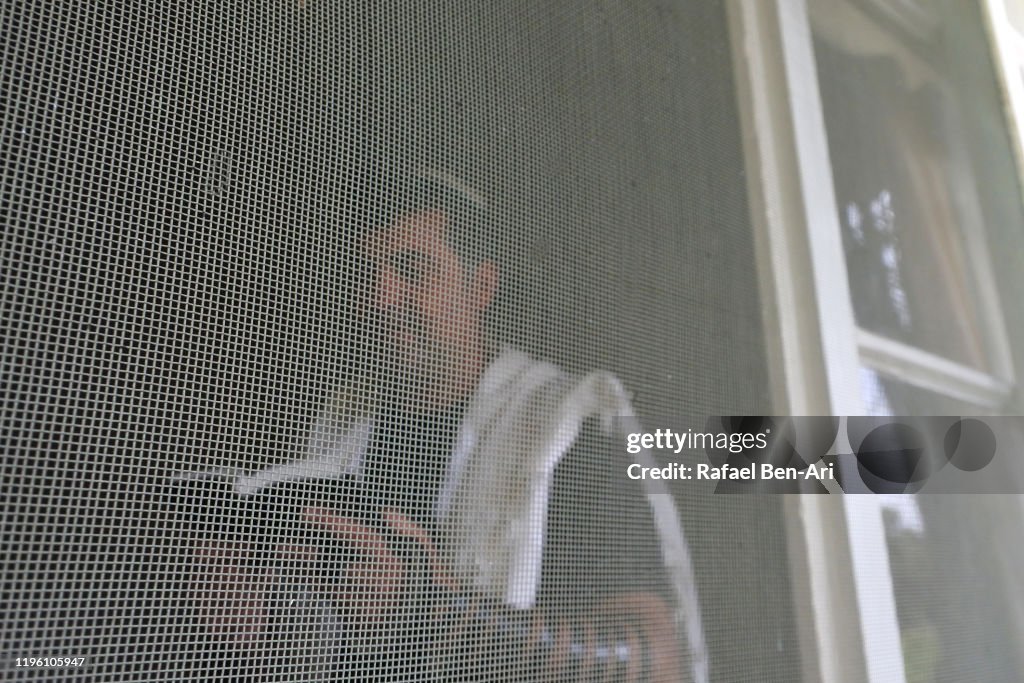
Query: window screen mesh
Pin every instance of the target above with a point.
(188, 195)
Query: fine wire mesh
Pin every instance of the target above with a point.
(187, 191)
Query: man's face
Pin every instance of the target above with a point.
(427, 309)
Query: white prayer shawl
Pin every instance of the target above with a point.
(493, 502)
(523, 418)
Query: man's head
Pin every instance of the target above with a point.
(431, 285)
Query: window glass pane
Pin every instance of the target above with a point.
(900, 120)
(951, 584)
(954, 562)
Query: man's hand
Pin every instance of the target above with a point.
(652, 623)
(375, 577)
(228, 593)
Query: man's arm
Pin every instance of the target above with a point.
(379, 583)
(603, 590)
(603, 586)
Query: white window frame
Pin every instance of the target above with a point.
(1008, 53)
(847, 615)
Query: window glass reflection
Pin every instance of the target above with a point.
(901, 198)
(948, 577)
